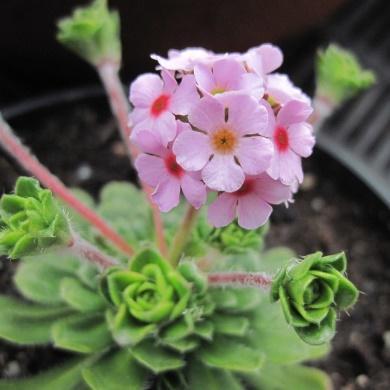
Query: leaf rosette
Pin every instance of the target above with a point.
(148, 294)
(311, 292)
(31, 220)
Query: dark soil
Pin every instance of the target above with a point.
(332, 212)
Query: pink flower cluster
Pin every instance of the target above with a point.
(221, 123)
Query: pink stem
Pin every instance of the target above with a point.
(240, 279)
(108, 72)
(85, 250)
(30, 163)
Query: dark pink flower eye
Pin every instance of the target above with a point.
(173, 167)
(160, 105)
(281, 138)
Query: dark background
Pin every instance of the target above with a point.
(32, 62)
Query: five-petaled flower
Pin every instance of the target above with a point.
(226, 142)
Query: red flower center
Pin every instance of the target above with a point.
(173, 167)
(281, 138)
(246, 188)
(160, 105)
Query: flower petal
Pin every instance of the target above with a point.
(254, 154)
(185, 96)
(227, 73)
(144, 89)
(290, 167)
(301, 139)
(272, 191)
(271, 56)
(167, 194)
(204, 77)
(151, 169)
(222, 173)
(149, 142)
(208, 114)
(223, 210)
(245, 115)
(165, 125)
(295, 111)
(192, 150)
(252, 211)
(194, 191)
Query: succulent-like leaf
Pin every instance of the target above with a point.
(80, 297)
(84, 333)
(201, 377)
(117, 370)
(231, 354)
(155, 358)
(230, 325)
(273, 377)
(26, 323)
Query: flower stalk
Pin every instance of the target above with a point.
(108, 72)
(240, 279)
(85, 250)
(12, 145)
(182, 235)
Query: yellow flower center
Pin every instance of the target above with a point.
(224, 141)
(217, 90)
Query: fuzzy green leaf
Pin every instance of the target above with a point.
(339, 74)
(204, 329)
(39, 279)
(201, 377)
(275, 377)
(277, 340)
(230, 325)
(84, 333)
(92, 32)
(117, 370)
(156, 358)
(25, 323)
(231, 354)
(182, 345)
(63, 377)
(79, 297)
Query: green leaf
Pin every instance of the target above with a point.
(92, 32)
(339, 75)
(155, 358)
(201, 377)
(230, 325)
(25, 323)
(276, 377)
(182, 345)
(79, 297)
(117, 370)
(277, 340)
(84, 333)
(231, 354)
(64, 377)
(204, 329)
(39, 279)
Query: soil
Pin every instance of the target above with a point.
(332, 212)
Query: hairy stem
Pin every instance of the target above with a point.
(12, 145)
(240, 279)
(182, 235)
(86, 251)
(108, 72)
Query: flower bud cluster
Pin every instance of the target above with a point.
(221, 123)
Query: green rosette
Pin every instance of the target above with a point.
(311, 292)
(31, 220)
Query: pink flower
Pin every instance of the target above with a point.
(293, 138)
(156, 102)
(263, 59)
(251, 203)
(184, 60)
(226, 143)
(281, 90)
(160, 170)
(227, 75)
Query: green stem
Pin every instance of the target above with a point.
(182, 236)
